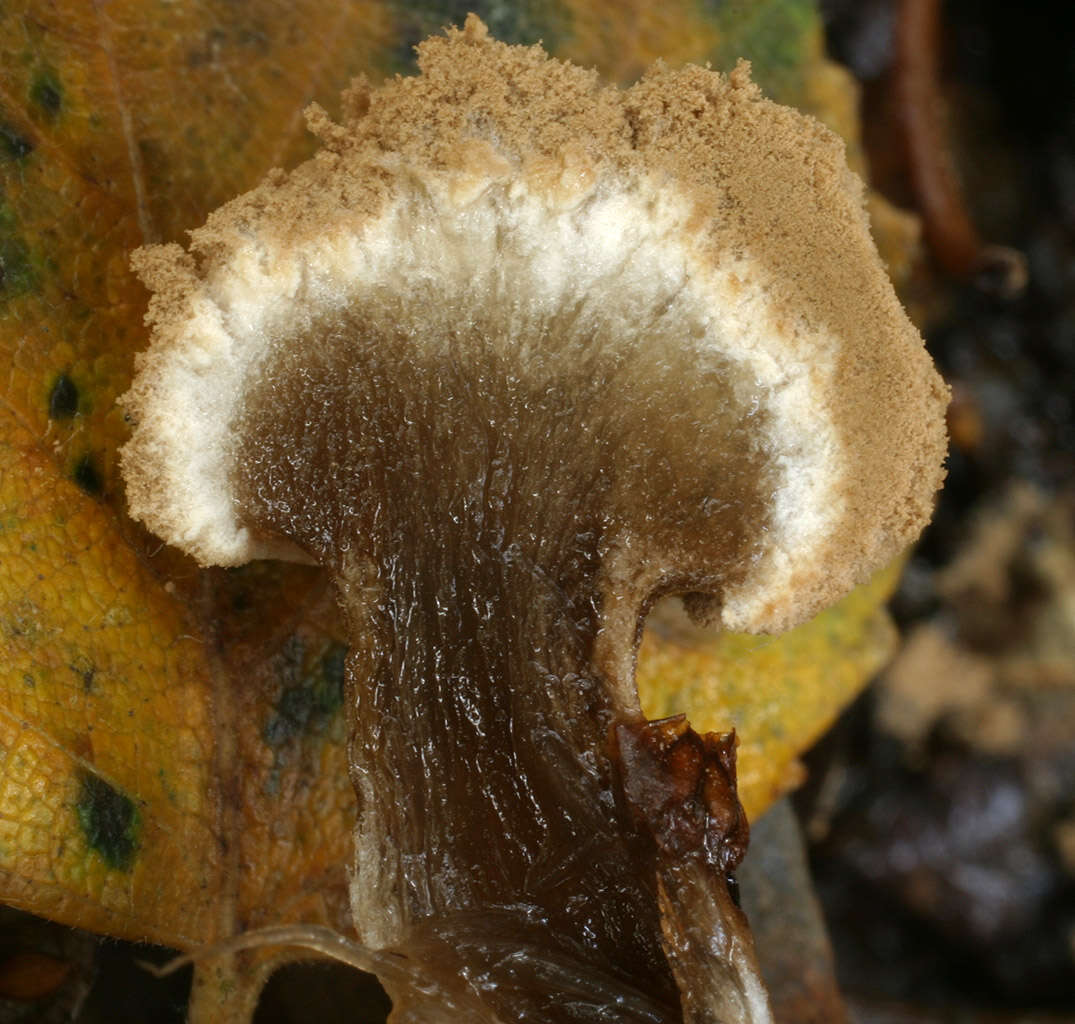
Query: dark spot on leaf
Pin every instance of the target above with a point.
(109, 820)
(63, 398)
(85, 670)
(47, 93)
(88, 476)
(14, 145)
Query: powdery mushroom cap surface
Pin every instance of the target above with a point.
(684, 214)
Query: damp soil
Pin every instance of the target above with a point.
(939, 852)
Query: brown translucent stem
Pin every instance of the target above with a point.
(519, 827)
(494, 547)
(493, 839)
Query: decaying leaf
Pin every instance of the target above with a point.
(778, 693)
(173, 762)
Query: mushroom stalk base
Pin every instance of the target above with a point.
(509, 840)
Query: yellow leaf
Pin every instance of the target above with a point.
(778, 693)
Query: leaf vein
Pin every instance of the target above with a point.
(134, 155)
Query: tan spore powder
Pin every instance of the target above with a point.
(515, 354)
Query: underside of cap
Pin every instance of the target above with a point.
(506, 180)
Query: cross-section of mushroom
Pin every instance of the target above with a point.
(515, 354)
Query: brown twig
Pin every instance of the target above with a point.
(952, 235)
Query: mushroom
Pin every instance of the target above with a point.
(513, 356)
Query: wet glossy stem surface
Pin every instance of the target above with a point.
(482, 748)
(472, 520)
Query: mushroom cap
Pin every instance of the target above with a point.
(686, 211)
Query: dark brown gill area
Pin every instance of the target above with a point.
(466, 499)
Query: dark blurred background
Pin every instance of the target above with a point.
(940, 813)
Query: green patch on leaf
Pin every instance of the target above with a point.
(776, 36)
(18, 274)
(46, 92)
(309, 702)
(509, 21)
(13, 144)
(109, 820)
